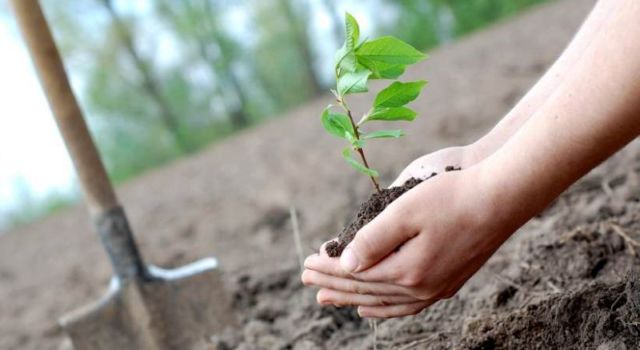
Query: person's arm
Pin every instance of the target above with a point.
(426, 244)
(595, 112)
(549, 82)
(466, 156)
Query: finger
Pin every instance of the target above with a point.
(334, 297)
(379, 237)
(390, 311)
(398, 267)
(318, 279)
(326, 265)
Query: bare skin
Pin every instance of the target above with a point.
(466, 156)
(582, 111)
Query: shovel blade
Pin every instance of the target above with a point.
(176, 309)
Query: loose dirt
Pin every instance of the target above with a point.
(568, 280)
(371, 208)
(367, 212)
(563, 281)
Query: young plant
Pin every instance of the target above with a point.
(356, 64)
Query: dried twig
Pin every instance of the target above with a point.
(373, 323)
(420, 341)
(631, 243)
(296, 236)
(555, 288)
(347, 337)
(414, 343)
(570, 234)
(510, 282)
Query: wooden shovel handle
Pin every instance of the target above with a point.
(48, 64)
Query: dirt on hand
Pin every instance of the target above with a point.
(367, 212)
(371, 208)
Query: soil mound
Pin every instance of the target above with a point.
(570, 279)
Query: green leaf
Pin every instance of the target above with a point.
(346, 153)
(345, 56)
(353, 82)
(389, 50)
(350, 137)
(354, 142)
(391, 72)
(399, 94)
(392, 113)
(358, 143)
(337, 124)
(352, 31)
(345, 61)
(383, 134)
(381, 70)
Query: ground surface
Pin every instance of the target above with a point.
(558, 283)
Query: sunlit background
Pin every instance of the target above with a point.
(161, 79)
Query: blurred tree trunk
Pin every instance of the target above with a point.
(239, 118)
(149, 81)
(336, 25)
(228, 53)
(177, 20)
(196, 22)
(236, 114)
(301, 37)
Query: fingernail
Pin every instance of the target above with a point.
(348, 260)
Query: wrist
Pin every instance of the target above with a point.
(508, 204)
(493, 140)
(476, 152)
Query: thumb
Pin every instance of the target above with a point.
(378, 238)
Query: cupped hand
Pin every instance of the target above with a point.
(422, 248)
(436, 162)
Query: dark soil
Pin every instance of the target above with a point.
(367, 212)
(371, 208)
(569, 281)
(586, 319)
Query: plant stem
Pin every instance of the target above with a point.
(358, 149)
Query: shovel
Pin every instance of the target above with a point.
(146, 307)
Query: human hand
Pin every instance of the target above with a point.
(420, 249)
(436, 162)
(427, 243)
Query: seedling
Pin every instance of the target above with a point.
(357, 63)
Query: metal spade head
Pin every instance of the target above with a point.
(148, 307)
(174, 309)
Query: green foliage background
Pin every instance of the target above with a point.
(161, 79)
